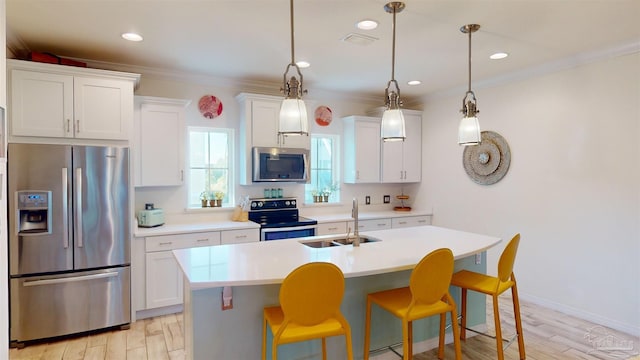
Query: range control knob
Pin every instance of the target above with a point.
(286, 202)
(293, 202)
(260, 203)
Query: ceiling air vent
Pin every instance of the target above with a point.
(359, 39)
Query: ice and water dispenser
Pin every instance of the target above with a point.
(34, 212)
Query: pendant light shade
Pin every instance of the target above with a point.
(293, 112)
(392, 127)
(469, 129)
(293, 117)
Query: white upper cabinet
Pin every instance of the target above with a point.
(59, 101)
(402, 160)
(159, 141)
(361, 149)
(259, 115)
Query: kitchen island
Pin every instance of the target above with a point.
(254, 271)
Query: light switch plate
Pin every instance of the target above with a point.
(367, 200)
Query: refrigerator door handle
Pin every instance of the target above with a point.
(65, 207)
(70, 279)
(78, 207)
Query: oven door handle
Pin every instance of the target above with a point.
(279, 229)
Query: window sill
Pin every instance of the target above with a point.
(209, 209)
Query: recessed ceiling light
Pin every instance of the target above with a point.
(498, 56)
(132, 37)
(367, 24)
(414, 82)
(303, 64)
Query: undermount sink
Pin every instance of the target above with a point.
(338, 241)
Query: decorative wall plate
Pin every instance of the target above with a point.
(210, 106)
(323, 115)
(488, 162)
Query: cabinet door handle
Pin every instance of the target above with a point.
(202, 240)
(181, 175)
(165, 243)
(332, 228)
(68, 126)
(241, 236)
(402, 222)
(77, 125)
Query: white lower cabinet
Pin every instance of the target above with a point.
(239, 236)
(339, 227)
(163, 277)
(374, 224)
(410, 221)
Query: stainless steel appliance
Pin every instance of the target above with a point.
(279, 219)
(280, 164)
(69, 239)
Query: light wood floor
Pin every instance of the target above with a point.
(548, 335)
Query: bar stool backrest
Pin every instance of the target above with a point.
(507, 259)
(430, 279)
(312, 293)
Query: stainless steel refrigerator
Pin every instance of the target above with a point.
(69, 239)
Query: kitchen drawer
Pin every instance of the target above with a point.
(409, 221)
(239, 236)
(181, 241)
(332, 228)
(374, 224)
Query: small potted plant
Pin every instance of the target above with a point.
(217, 199)
(316, 196)
(204, 199)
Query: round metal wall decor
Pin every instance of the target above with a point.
(488, 162)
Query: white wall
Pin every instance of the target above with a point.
(572, 191)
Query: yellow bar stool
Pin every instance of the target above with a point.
(494, 286)
(426, 295)
(310, 298)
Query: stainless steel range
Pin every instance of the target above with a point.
(279, 219)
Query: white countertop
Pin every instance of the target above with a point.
(182, 228)
(269, 262)
(172, 229)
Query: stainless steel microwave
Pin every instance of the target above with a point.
(280, 164)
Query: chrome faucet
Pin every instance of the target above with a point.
(354, 215)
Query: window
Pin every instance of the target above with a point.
(210, 166)
(324, 170)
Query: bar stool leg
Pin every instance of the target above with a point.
(496, 317)
(410, 323)
(405, 341)
(443, 319)
(516, 312)
(324, 348)
(367, 329)
(463, 320)
(456, 331)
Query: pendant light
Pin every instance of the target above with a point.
(392, 127)
(469, 129)
(293, 112)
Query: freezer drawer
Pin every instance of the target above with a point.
(48, 306)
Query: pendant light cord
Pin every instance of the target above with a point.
(393, 46)
(292, 42)
(469, 30)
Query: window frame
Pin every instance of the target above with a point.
(228, 200)
(335, 169)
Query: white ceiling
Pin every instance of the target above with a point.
(249, 40)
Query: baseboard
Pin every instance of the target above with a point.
(427, 344)
(581, 314)
(144, 314)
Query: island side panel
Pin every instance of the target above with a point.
(237, 333)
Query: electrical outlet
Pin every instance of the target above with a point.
(478, 259)
(386, 199)
(367, 200)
